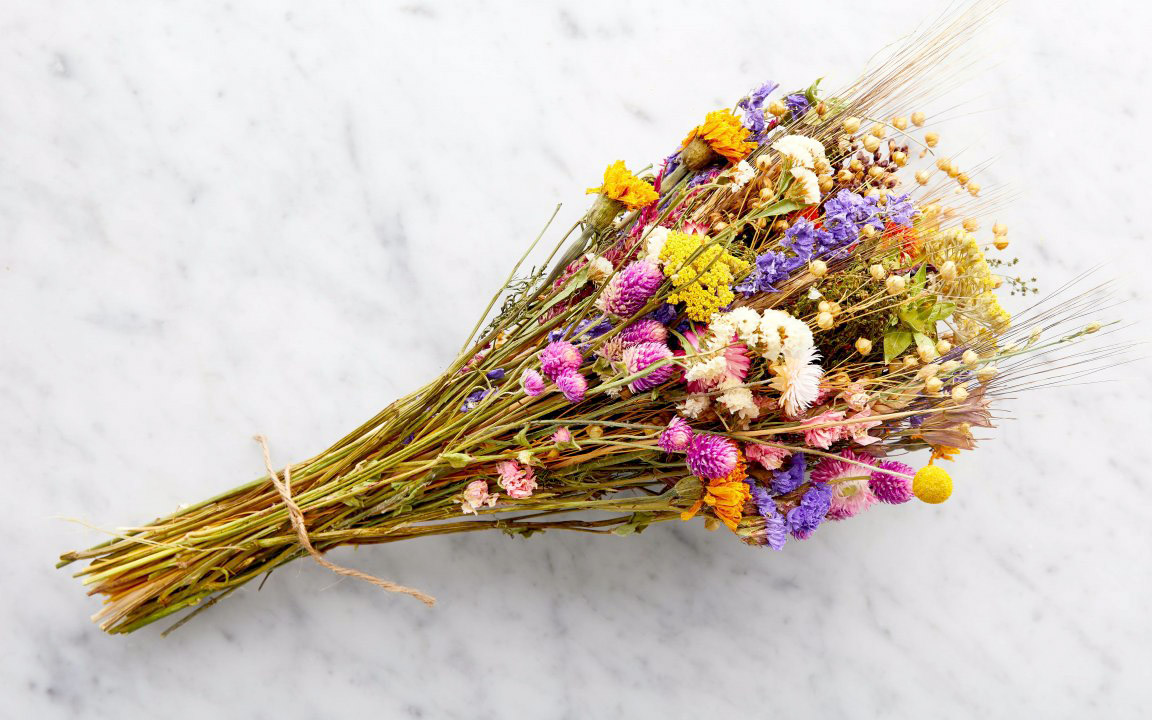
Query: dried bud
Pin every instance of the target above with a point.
(900, 158)
(986, 373)
(943, 346)
(851, 124)
(1000, 242)
(933, 385)
(825, 321)
(878, 130)
(871, 143)
(999, 229)
(974, 188)
(777, 108)
(877, 272)
(970, 224)
(970, 358)
(863, 346)
(948, 270)
(930, 139)
(959, 393)
(918, 119)
(922, 176)
(819, 268)
(900, 123)
(894, 284)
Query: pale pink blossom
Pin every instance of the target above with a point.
(518, 481)
(770, 458)
(476, 495)
(562, 435)
(823, 437)
(859, 430)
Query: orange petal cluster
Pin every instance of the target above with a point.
(725, 134)
(621, 185)
(726, 496)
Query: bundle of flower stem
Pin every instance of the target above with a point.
(750, 333)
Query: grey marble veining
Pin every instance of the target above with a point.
(218, 219)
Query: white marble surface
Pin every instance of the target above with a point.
(225, 218)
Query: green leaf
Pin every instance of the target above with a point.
(896, 342)
(940, 311)
(913, 318)
(572, 286)
(636, 524)
(811, 93)
(522, 437)
(456, 460)
(780, 207)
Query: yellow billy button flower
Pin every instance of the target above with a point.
(624, 187)
(932, 484)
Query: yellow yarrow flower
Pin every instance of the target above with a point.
(724, 133)
(621, 185)
(703, 283)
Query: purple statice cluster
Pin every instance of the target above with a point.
(813, 508)
(785, 480)
(845, 215)
(775, 525)
(664, 314)
(770, 269)
(582, 331)
(797, 104)
(473, 399)
(752, 109)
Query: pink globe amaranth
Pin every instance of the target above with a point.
(676, 437)
(532, 383)
(559, 356)
(639, 357)
(572, 384)
(711, 456)
(889, 488)
(645, 330)
(631, 288)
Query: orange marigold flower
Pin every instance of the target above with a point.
(726, 496)
(622, 186)
(724, 133)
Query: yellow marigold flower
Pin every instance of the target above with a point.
(724, 133)
(704, 282)
(621, 185)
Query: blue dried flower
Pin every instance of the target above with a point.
(785, 481)
(753, 107)
(900, 211)
(844, 216)
(797, 105)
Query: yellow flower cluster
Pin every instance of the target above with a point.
(972, 289)
(724, 133)
(623, 186)
(704, 282)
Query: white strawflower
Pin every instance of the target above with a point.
(742, 174)
(693, 406)
(738, 400)
(599, 268)
(807, 187)
(798, 380)
(801, 150)
(655, 243)
(708, 372)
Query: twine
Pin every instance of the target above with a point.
(296, 516)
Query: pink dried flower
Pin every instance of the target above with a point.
(823, 437)
(639, 357)
(631, 288)
(572, 384)
(475, 496)
(889, 488)
(770, 458)
(532, 383)
(676, 437)
(712, 456)
(562, 435)
(646, 330)
(848, 481)
(858, 431)
(736, 359)
(518, 481)
(558, 356)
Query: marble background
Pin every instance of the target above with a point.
(222, 218)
